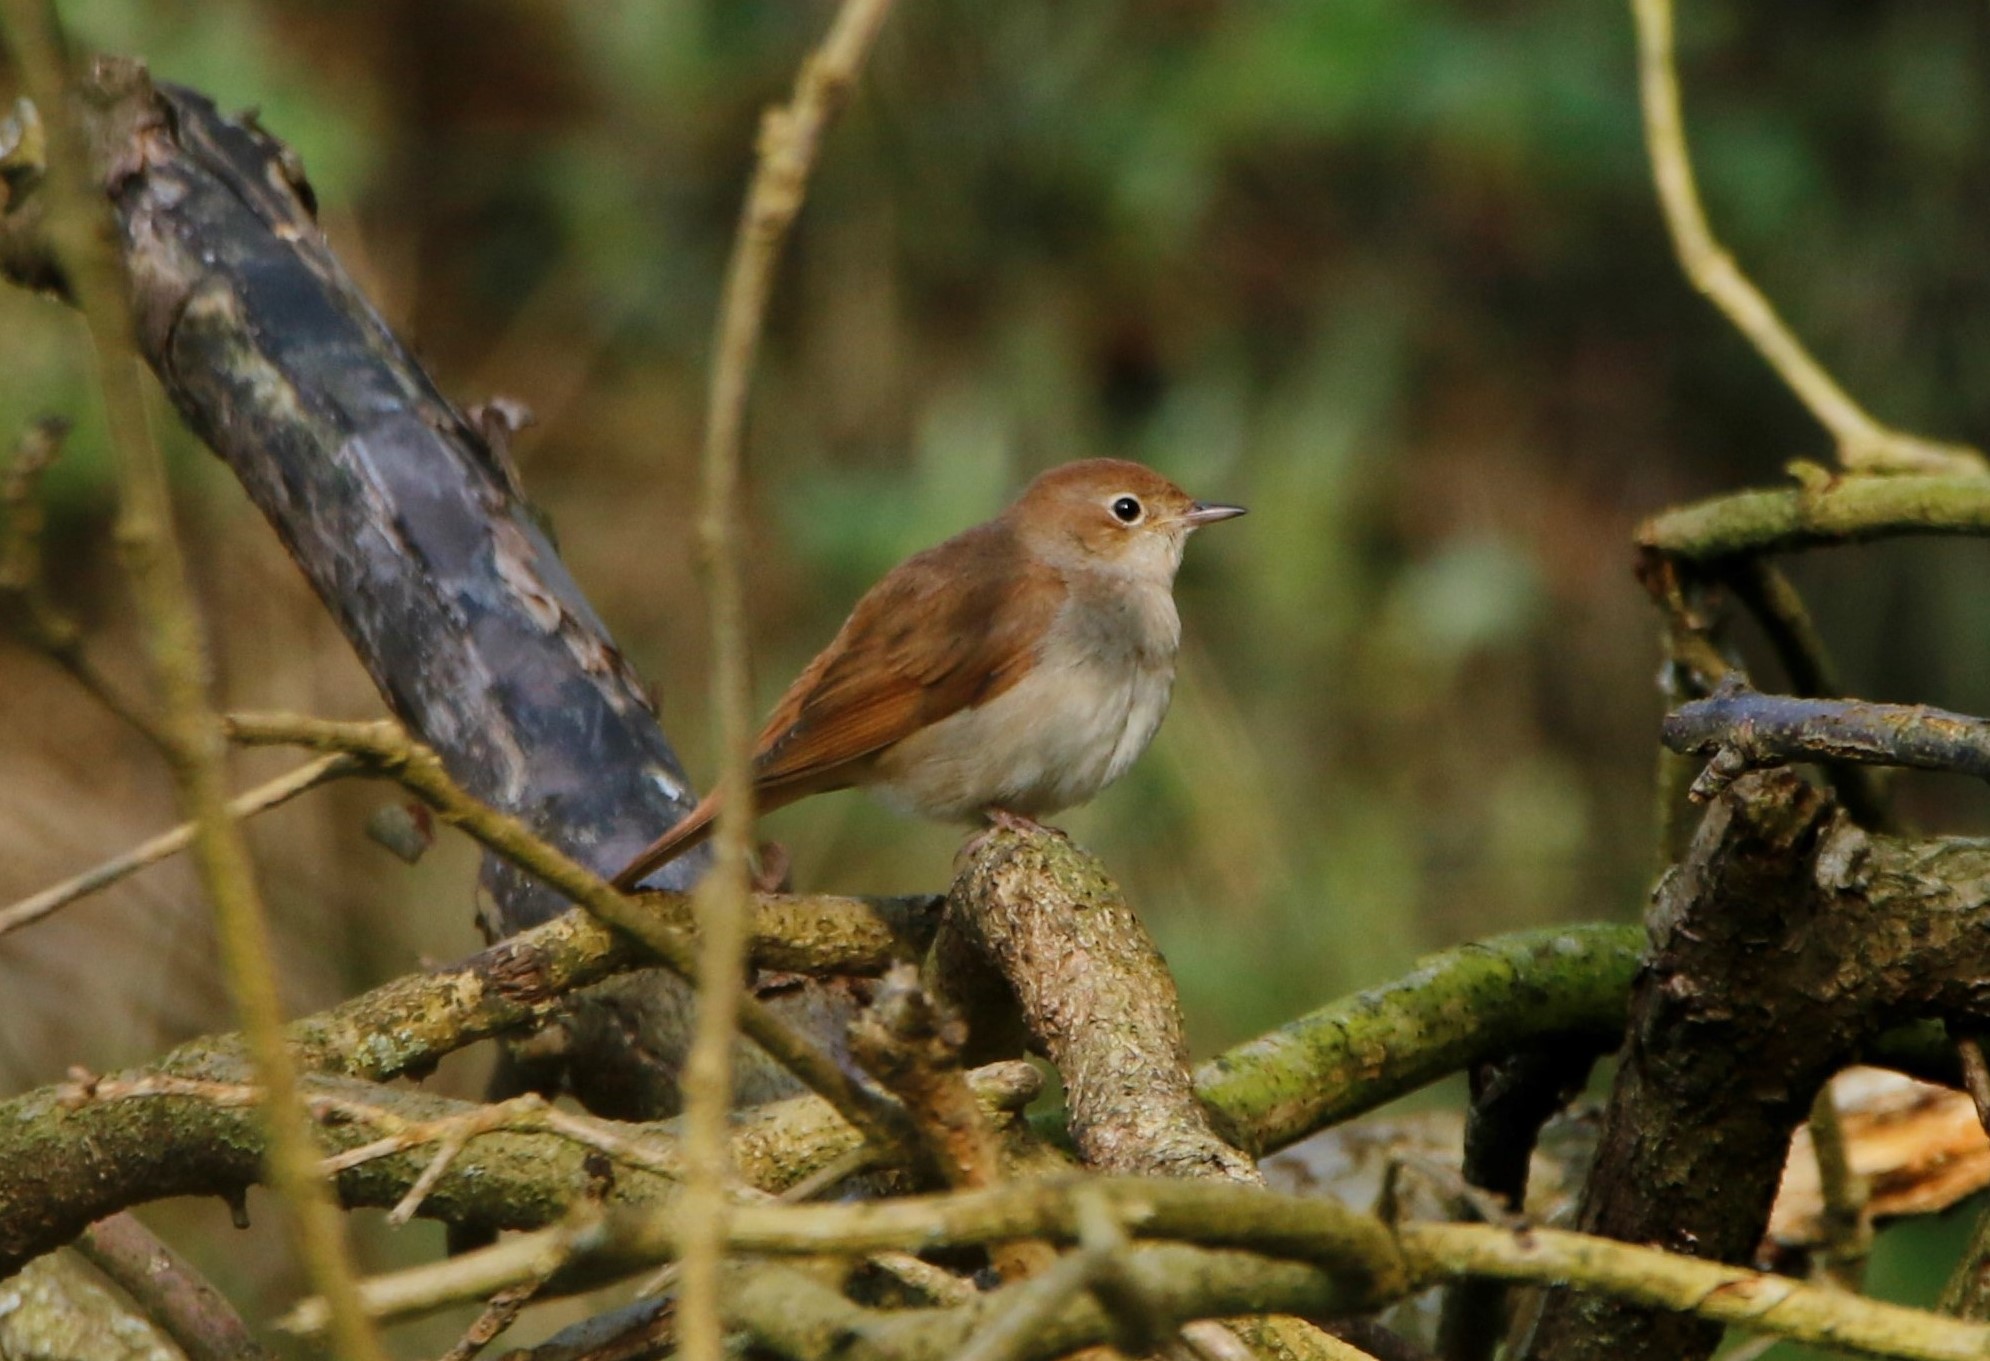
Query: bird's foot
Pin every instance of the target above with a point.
(1003, 820)
(1007, 821)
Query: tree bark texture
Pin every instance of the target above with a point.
(1096, 997)
(1782, 945)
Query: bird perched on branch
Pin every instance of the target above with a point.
(1009, 673)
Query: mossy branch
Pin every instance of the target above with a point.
(1456, 1008)
(1838, 511)
(1096, 996)
(60, 1169)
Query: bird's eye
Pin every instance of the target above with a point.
(1126, 509)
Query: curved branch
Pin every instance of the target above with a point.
(1841, 511)
(1863, 443)
(1463, 1006)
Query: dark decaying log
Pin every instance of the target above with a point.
(408, 525)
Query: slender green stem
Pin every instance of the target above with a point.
(790, 138)
(196, 751)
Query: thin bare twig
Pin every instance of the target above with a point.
(452, 1134)
(389, 753)
(80, 227)
(790, 139)
(169, 1290)
(23, 583)
(1864, 445)
(499, 1314)
(282, 789)
(1848, 1232)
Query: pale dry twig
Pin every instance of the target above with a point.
(1864, 444)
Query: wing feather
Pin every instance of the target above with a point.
(948, 629)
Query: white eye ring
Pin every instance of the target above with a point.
(1127, 509)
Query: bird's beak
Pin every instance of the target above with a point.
(1208, 513)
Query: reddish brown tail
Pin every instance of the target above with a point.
(693, 828)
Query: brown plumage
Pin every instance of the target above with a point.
(1062, 604)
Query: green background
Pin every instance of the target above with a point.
(1391, 274)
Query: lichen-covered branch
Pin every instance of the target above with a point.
(61, 1169)
(1463, 1006)
(1098, 1001)
(1357, 1247)
(1201, 1248)
(70, 1156)
(387, 751)
(1684, 1287)
(1846, 510)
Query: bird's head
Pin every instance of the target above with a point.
(1111, 515)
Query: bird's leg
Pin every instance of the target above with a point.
(1015, 822)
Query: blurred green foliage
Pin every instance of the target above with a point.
(1389, 273)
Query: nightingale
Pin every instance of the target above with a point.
(1011, 672)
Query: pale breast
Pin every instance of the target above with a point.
(1082, 715)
